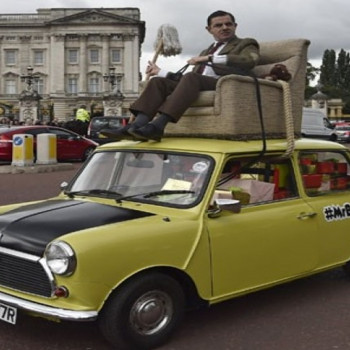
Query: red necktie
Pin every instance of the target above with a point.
(213, 49)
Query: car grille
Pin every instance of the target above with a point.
(24, 275)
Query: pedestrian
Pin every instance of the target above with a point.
(171, 97)
(82, 119)
(82, 114)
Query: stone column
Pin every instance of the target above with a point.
(57, 65)
(131, 66)
(105, 60)
(83, 57)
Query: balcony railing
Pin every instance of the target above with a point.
(15, 18)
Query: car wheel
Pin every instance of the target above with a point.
(87, 153)
(346, 268)
(333, 137)
(143, 313)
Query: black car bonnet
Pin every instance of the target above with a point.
(31, 227)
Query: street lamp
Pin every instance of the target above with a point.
(115, 80)
(29, 78)
(110, 77)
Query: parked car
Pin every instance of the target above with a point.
(146, 230)
(315, 124)
(69, 144)
(106, 122)
(343, 132)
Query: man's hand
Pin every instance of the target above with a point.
(199, 59)
(152, 69)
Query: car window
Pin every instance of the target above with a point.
(61, 134)
(342, 127)
(324, 172)
(167, 178)
(256, 182)
(37, 131)
(114, 123)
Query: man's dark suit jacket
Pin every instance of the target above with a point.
(241, 54)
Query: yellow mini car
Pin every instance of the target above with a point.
(147, 230)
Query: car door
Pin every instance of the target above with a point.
(68, 144)
(330, 200)
(265, 243)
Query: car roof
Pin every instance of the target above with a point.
(107, 117)
(222, 146)
(29, 127)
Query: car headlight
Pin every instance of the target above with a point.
(60, 258)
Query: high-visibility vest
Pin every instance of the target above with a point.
(83, 115)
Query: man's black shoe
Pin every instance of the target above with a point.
(118, 133)
(147, 132)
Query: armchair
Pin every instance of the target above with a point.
(231, 112)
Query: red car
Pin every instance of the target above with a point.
(69, 144)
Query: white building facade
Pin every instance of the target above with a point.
(72, 54)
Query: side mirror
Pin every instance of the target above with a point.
(63, 185)
(220, 204)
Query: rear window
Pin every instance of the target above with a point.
(98, 123)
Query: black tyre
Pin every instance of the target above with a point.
(333, 137)
(346, 268)
(87, 153)
(143, 313)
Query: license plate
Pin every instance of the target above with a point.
(8, 313)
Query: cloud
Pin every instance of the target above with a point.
(325, 23)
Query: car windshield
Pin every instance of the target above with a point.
(168, 179)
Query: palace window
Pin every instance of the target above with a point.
(10, 57)
(94, 56)
(115, 56)
(10, 86)
(38, 57)
(38, 86)
(72, 85)
(73, 56)
(94, 85)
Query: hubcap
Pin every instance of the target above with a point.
(151, 312)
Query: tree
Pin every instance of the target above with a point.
(311, 73)
(335, 76)
(341, 69)
(328, 69)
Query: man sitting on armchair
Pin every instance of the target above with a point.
(170, 98)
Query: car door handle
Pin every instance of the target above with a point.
(304, 216)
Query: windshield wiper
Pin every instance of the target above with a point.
(153, 194)
(93, 192)
(165, 192)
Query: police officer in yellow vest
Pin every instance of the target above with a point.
(82, 114)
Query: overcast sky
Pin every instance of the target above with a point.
(325, 23)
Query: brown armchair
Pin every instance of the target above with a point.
(231, 112)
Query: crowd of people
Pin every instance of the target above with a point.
(8, 121)
(82, 119)
(5, 121)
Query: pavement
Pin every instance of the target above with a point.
(35, 168)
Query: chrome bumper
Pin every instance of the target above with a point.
(63, 314)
